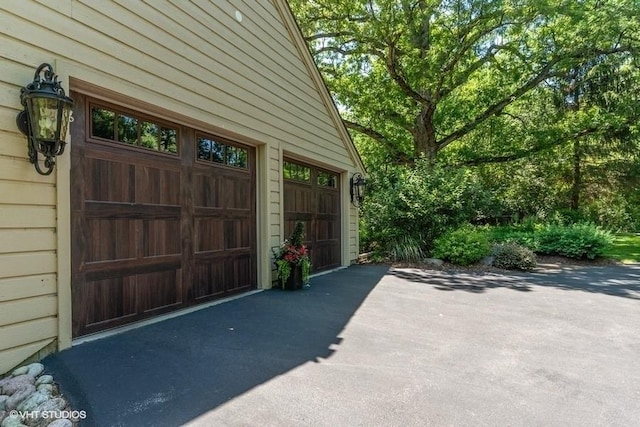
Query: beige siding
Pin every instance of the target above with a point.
(27, 234)
(246, 80)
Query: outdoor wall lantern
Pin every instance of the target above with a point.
(45, 118)
(358, 185)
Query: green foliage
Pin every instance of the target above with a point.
(512, 256)
(539, 97)
(462, 246)
(579, 240)
(418, 204)
(573, 241)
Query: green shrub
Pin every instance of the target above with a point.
(573, 241)
(422, 202)
(509, 235)
(512, 256)
(463, 246)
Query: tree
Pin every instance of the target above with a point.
(417, 75)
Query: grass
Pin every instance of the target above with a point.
(625, 248)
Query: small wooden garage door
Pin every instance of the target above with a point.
(163, 217)
(312, 196)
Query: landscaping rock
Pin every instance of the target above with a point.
(35, 369)
(44, 379)
(20, 371)
(45, 388)
(30, 403)
(434, 261)
(17, 383)
(18, 397)
(27, 390)
(3, 400)
(12, 421)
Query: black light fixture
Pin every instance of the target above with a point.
(45, 118)
(358, 185)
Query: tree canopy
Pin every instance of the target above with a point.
(415, 76)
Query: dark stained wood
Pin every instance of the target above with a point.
(318, 208)
(153, 232)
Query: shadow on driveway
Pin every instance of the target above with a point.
(173, 371)
(620, 281)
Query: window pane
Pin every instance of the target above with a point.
(242, 159)
(127, 129)
(168, 140)
(102, 123)
(218, 152)
(286, 170)
(149, 135)
(296, 171)
(204, 149)
(236, 156)
(326, 179)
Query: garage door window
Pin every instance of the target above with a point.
(214, 151)
(111, 125)
(326, 179)
(296, 172)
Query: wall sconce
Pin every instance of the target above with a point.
(358, 185)
(45, 118)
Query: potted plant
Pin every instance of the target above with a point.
(292, 261)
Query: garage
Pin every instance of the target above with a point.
(163, 216)
(312, 196)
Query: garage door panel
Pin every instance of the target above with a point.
(242, 274)
(115, 299)
(157, 186)
(209, 280)
(327, 229)
(237, 192)
(207, 190)
(238, 234)
(209, 234)
(109, 181)
(328, 202)
(161, 237)
(158, 290)
(120, 245)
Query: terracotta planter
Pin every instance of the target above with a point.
(294, 282)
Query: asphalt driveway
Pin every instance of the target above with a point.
(376, 347)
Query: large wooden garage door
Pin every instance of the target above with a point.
(312, 196)
(163, 217)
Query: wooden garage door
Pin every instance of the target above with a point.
(163, 217)
(312, 196)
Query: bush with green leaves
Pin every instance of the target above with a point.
(573, 241)
(512, 256)
(418, 204)
(463, 246)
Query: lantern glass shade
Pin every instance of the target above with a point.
(49, 118)
(45, 118)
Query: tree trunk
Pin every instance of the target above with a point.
(425, 143)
